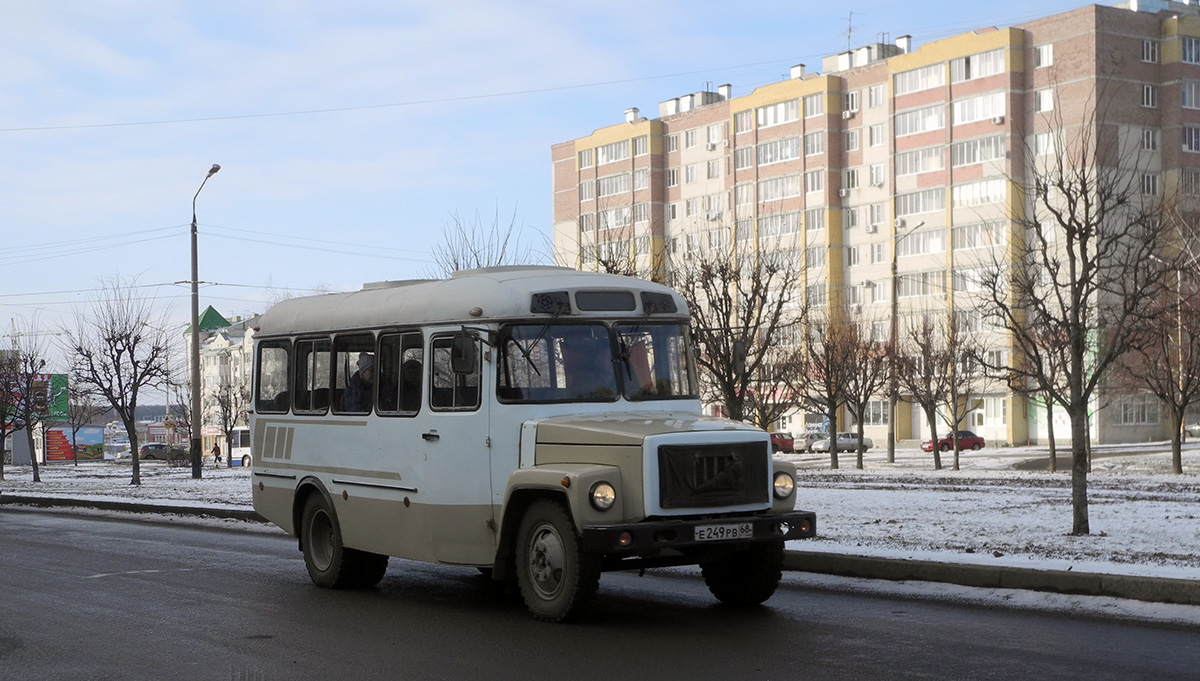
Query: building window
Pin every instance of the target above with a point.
(1189, 182)
(1191, 50)
(814, 143)
(927, 201)
(814, 220)
(877, 175)
(585, 158)
(714, 169)
(743, 194)
(778, 151)
(814, 256)
(743, 158)
(1150, 139)
(920, 79)
(1043, 100)
(1043, 55)
(979, 108)
(672, 177)
(851, 256)
(875, 135)
(779, 225)
(1191, 94)
(921, 243)
(641, 145)
(850, 101)
(921, 120)
(611, 153)
(979, 193)
(850, 140)
(979, 235)
(1150, 96)
(1136, 410)
(977, 66)
(613, 185)
(743, 121)
(641, 213)
(1191, 139)
(1043, 144)
(876, 258)
(587, 191)
(716, 133)
(641, 179)
(778, 114)
(850, 178)
(814, 181)
(876, 413)
(814, 105)
(1150, 184)
(850, 221)
(876, 94)
(672, 143)
(690, 139)
(920, 161)
(979, 150)
(1150, 51)
(779, 188)
(878, 214)
(689, 174)
(672, 211)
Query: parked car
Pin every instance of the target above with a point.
(1192, 429)
(806, 440)
(782, 442)
(846, 442)
(966, 440)
(159, 451)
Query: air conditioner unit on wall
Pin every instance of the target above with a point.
(871, 229)
(843, 192)
(899, 223)
(998, 120)
(856, 308)
(847, 114)
(710, 146)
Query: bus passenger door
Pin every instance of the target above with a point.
(454, 433)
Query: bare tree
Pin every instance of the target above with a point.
(467, 243)
(923, 374)
(34, 392)
(828, 362)
(10, 370)
(82, 408)
(866, 377)
(966, 373)
(119, 350)
(742, 307)
(1083, 271)
(231, 400)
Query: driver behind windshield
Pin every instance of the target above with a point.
(587, 357)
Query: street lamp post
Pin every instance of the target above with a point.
(894, 340)
(195, 354)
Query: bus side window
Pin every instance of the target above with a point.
(400, 362)
(355, 371)
(272, 394)
(449, 390)
(312, 375)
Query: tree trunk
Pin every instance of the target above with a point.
(131, 429)
(931, 416)
(1050, 435)
(831, 414)
(1177, 444)
(1079, 470)
(861, 427)
(37, 474)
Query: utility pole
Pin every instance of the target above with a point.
(195, 354)
(894, 340)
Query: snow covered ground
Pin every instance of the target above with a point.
(993, 511)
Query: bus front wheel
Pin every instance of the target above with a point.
(557, 579)
(330, 564)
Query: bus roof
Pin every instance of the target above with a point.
(489, 294)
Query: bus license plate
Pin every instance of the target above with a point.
(719, 532)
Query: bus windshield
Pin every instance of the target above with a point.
(593, 362)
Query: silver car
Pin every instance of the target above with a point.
(846, 442)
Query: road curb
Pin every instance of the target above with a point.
(1149, 589)
(132, 507)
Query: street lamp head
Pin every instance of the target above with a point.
(213, 171)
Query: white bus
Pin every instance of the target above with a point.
(239, 447)
(538, 423)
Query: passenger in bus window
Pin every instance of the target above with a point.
(410, 385)
(357, 397)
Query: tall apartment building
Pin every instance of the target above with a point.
(895, 153)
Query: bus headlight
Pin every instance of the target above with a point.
(602, 496)
(784, 485)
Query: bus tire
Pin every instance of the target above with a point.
(745, 577)
(557, 579)
(246, 461)
(330, 564)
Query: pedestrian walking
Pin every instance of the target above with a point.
(216, 452)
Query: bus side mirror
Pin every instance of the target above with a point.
(462, 354)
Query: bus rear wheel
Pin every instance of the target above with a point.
(330, 564)
(746, 577)
(556, 577)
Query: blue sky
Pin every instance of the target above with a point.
(348, 133)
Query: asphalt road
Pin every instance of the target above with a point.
(95, 598)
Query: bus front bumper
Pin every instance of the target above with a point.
(698, 532)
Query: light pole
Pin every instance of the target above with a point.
(195, 354)
(894, 341)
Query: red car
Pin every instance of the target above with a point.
(782, 442)
(966, 440)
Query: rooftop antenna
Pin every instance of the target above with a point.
(849, 32)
